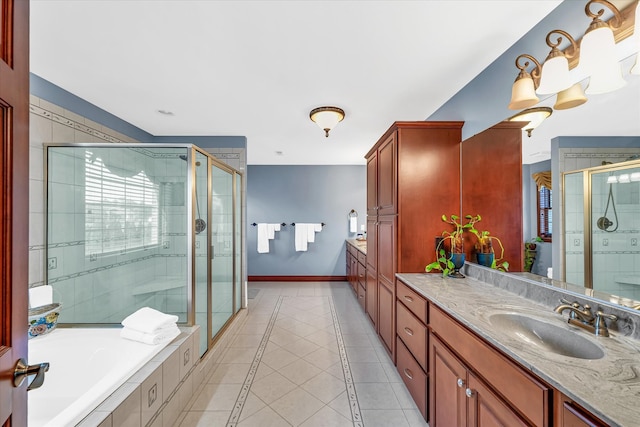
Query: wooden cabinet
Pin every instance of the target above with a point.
(522, 399)
(411, 344)
(371, 287)
(569, 414)
(413, 177)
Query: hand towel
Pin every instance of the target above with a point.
(301, 236)
(148, 320)
(353, 224)
(40, 295)
(263, 238)
(312, 229)
(160, 336)
(271, 230)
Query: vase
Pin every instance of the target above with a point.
(485, 259)
(458, 262)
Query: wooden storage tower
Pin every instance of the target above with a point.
(413, 178)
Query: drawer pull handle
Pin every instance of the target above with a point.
(460, 382)
(408, 373)
(468, 392)
(408, 298)
(408, 331)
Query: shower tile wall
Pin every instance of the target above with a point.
(51, 123)
(616, 259)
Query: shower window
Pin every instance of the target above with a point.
(122, 212)
(545, 217)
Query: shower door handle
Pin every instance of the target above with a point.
(22, 371)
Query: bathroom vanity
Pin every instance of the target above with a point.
(472, 353)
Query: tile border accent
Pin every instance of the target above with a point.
(246, 386)
(354, 405)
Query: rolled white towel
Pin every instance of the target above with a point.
(148, 320)
(161, 336)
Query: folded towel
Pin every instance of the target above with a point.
(148, 320)
(160, 336)
(263, 238)
(353, 224)
(301, 237)
(40, 295)
(312, 229)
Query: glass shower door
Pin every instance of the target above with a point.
(221, 247)
(238, 242)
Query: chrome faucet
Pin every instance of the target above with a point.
(585, 319)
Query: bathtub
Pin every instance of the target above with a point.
(86, 366)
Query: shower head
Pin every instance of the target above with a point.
(184, 157)
(604, 223)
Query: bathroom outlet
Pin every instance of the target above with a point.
(605, 242)
(93, 257)
(52, 263)
(576, 242)
(197, 244)
(634, 242)
(153, 394)
(166, 245)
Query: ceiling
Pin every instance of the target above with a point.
(256, 68)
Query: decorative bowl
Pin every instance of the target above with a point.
(43, 319)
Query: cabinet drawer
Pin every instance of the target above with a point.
(362, 293)
(362, 274)
(525, 394)
(413, 333)
(413, 377)
(362, 258)
(413, 301)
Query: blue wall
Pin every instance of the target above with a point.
(303, 194)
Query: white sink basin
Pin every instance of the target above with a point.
(546, 336)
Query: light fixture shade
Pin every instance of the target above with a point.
(326, 117)
(555, 76)
(570, 98)
(606, 80)
(624, 178)
(523, 93)
(597, 50)
(534, 116)
(612, 179)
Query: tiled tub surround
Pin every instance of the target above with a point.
(160, 390)
(607, 387)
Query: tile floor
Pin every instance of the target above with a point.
(306, 355)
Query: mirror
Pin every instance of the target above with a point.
(606, 128)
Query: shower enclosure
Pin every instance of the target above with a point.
(135, 225)
(602, 228)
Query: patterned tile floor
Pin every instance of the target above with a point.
(306, 355)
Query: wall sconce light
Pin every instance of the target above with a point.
(534, 116)
(569, 98)
(523, 91)
(326, 117)
(555, 69)
(597, 51)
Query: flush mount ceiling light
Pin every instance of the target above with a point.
(534, 116)
(326, 117)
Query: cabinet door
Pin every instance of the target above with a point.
(387, 249)
(372, 242)
(447, 385)
(372, 184)
(486, 409)
(387, 176)
(372, 296)
(386, 308)
(568, 414)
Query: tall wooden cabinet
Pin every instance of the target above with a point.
(413, 178)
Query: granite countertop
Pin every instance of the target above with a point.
(608, 387)
(360, 245)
